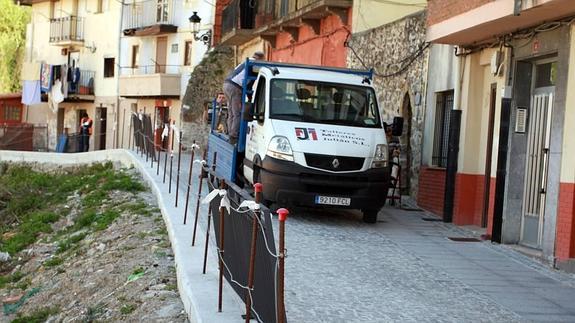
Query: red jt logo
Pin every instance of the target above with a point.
(305, 133)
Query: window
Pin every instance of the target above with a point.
(545, 75)
(327, 103)
(109, 67)
(135, 55)
(260, 107)
(162, 11)
(443, 107)
(188, 53)
(12, 113)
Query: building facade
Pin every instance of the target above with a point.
(71, 48)
(503, 69)
(158, 53)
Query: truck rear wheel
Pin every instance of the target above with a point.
(370, 216)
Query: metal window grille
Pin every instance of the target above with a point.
(443, 107)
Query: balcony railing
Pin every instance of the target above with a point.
(236, 17)
(67, 29)
(84, 85)
(146, 13)
(151, 69)
(269, 11)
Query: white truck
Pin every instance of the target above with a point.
(313, 136)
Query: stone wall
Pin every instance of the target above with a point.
(398, 54)
(205, 83)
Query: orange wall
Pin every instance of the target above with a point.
(565, 240)
(325, 49)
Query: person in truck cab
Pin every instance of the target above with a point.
(233, 92)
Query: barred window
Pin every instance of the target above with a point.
(443, 107)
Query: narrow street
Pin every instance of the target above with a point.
(405, 269)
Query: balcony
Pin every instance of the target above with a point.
(237, 23)
(292, 14)
(468, 27)
(81, 86)
(67, 31)
(149, 18)
(150, 81)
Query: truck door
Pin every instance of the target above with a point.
(255, 132)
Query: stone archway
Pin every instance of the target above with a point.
(405, 141)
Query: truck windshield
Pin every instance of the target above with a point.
(321, 102)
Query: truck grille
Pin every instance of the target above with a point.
(334, 163)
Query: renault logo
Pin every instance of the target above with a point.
(335, 163)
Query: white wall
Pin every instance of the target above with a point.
(442, 76)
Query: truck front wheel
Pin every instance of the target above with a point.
(370, 216)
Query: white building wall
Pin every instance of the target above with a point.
(441, 76)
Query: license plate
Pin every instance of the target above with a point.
(331, 200)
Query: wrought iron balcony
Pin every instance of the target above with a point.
(66, 30)
(238, 21)
(82, 84)
(145, 18)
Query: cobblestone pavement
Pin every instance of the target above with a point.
(404, 269)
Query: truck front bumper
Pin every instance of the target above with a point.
(292, 184)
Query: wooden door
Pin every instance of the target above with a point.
(161, 54)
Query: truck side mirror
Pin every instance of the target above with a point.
(248, 114)
(397, 126)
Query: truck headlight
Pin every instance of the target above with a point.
(380, 156)
(280, 148)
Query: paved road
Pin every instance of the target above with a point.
(404, 269)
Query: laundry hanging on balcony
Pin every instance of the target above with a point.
(31, 92)
(45, 77)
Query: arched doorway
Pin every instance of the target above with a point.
(405, 141)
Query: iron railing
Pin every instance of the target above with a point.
(239, 15)
(84, 85)
(268, 10)
(69, 28)
(145, 13)
(24, 137)
(150, 69)
(443, 107)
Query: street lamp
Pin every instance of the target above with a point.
(206, 37)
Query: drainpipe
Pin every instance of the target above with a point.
(117, 122)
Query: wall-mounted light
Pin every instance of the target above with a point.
(206, 37)
(92, 48)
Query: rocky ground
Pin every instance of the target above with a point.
(99, 251)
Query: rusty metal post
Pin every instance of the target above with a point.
(258, 195)
(178, 171)
(189, 183)
(221, 251)
(171, 163)
(166, 162)
(282, 215)
(143, 144)
(209, 220)
(154, 136)
(152, 154)
(159, 158)
(130, 134)
(207, 240)
(202, 175)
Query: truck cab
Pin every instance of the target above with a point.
(313, 136)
